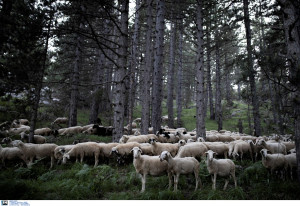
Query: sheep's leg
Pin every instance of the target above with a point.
(225, 155)
(81, 158)
(214, 181)
(197, 180)
(176, 178)
(143, 182)
(242, 156)
(52, 162)
(96, 160)
(226, 183)
(234, 179)
(170, 180)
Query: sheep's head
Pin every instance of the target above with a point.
(114, 150)
(164, 156)
(152, 141)
(210, 155)
(65, 157)
(182, 142)
(292, 151)
(264, 152)
(136, 152)
(200, 139)
(166, 135)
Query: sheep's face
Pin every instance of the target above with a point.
(136, 152)
(264, 152)
(65, 157)
(200, 139)
(152, 141)
(181, 142)
(163, 156)
(210, 155)
(114, 150)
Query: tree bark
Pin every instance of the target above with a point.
(145, 98)
(119, 92)
(200, 116)
(209, 85)
(291, 25)
(218, 106)
(158, 67)
(134, 64)
(37, 91)
(75, 77)
(255, 101)
(179, 98)
(170, 78)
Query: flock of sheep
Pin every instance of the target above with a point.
(169, 151)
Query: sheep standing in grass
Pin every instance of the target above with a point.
(11, 153)
(9, 142)
(242, 148)
(72, 130)
(291, 162)
(194, 149)
(60, 120)
(59, 151)
(219, 147)
(273, 147)
(273, 162)
(82, 150)
(149, 165)
(37, 151)
(158, 148)
(177, 166)
(221, 167)
(122, 151)
(37, 139)
(43, 131)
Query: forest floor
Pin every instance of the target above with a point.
(75, 181)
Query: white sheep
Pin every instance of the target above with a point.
(273, 162)
(241, 148)
(185, 136)
(82, 150)
(9, 142)
(17, 131)
(273, 147)
(219, 148)
(72, 130)
(37, 151)
(43, 131)
(194, 149)
(158, 147)
(171, 138)
(37, 139)
(59, 151)
(60, 120)
(106, 149)
(289, 145)
(221, 167)
(10, 153)
(255, 148)
(177, 166)
(291, 162)
(140, 138)
(149, 165)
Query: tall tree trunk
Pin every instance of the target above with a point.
(228, 82)
(39, 85)
(158, 66)
(200, 121)
(75, 77)
(218, 112)
(145, 98)
(170, 77)
(180, 77)
(133, 66)
(291, 25)
(209, 85)
(98, 91)
(255, 101)
(119, 92)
